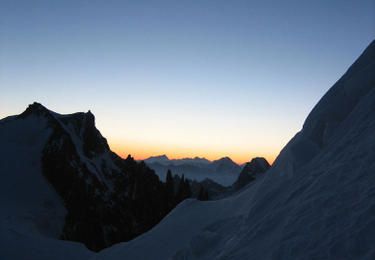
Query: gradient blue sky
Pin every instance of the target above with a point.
(185, 78)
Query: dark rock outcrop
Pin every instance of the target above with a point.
(257, 166)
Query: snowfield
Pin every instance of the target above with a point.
(316, 202)
(32, 214)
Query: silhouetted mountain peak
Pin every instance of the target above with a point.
(258, 164)
(251, 169)
(163, 157)
(101, 198)
(225, 164)
(225, 159)
(80, 127)
(36, 106)
(157, 159)
(200, 158)
(89, 119)
(35, 109)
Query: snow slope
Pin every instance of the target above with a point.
(316, 202)
(31, 214)
(59, 179)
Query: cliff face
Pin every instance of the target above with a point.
(107, 199)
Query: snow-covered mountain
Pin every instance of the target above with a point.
(316, 202)
(59, 179)
(164, 160)
(223, 171)
(161, 159)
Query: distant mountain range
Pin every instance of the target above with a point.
(163, 159)
(317, 201)
(223, 171)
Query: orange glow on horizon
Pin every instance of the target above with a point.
(141, 152)
(193, 135)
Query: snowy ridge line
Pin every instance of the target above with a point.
(94, 164)
(79, 147)
(316, 202)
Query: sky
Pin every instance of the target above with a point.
(182, 78)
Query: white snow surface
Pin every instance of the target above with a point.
(316, 202)
(32, 214)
